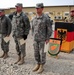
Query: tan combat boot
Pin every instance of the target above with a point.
(21, 61)
(19, 58)
(6, 55)
(2, 55)
(36, 67)
(40, 70)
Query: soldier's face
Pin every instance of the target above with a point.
(39, 10)
(18, 9)
(1, 13)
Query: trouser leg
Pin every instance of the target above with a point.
(42, 53)
(4, 45)
(17, 46)
(23, 50)
(36, 52)
(20, 51)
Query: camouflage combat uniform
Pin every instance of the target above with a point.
(41, 30)
(20, 27)
(5, 30)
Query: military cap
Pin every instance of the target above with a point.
(1, 10)
(39, 5)
(19, 4)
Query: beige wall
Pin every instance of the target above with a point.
(54, 10)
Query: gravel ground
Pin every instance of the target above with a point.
(64, 65)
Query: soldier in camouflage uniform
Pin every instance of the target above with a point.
(72, 16)
(41, 30)
(21, 27)
(5, 30)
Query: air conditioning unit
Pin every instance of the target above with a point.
(47, 13)
(30, 13)
(66, 13)
(51, 13)
(56, 17)
(60, 17)
(26, 13)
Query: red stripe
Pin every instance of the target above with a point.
(69, 36)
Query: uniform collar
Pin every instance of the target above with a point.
(39, 17)
(19, 13)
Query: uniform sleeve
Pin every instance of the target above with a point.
(9, 25)
(32, 27)
(48, 29)
(27, 25)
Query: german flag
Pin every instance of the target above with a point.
(65, 32)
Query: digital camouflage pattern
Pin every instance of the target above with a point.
(21, 24)
(41, 30)
(21, 27)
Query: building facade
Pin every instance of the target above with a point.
(57, 13)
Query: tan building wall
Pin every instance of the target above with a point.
(52, 11)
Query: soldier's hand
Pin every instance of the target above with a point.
(25, 37)
(47, 41)
(7, 35)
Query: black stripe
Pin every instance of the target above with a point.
(63, 25)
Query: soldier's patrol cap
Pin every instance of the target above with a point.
(1, 10)
(39, 5)
(19, 5)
